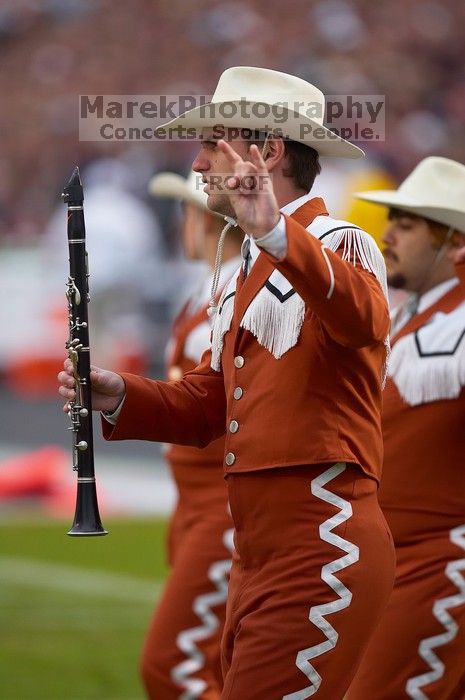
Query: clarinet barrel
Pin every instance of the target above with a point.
(86, 518)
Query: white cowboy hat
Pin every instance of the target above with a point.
(434, 190)
(269, 101)
(185, 189)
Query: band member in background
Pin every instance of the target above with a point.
(294, 376)
(418, 648)
(181, 653)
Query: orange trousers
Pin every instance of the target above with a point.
(311, 575)
(181, 652)
(418, 649)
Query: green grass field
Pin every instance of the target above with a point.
(73, 611)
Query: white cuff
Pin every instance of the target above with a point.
(112, 416)
(275, 242)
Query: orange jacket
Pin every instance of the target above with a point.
(423, 485)
(320, 402)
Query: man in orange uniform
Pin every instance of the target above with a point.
(182, 647)
(294, 377)
(418, 650)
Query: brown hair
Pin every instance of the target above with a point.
(303, 160)
(304, 164)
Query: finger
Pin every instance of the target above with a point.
(67, 393)
(245, 168)
(243, 184)
(231, 155)
(242, 170)
(97, 376)
(244, 178)
(233, 182)
(257, 159)
(66, 408)
(249, 183)
(65, 379)
(68, 366)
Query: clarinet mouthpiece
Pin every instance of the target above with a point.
(73, 192)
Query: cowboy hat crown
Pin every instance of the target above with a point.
(434, 190)
(261, 99)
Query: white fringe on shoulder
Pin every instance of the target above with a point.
(359, 246)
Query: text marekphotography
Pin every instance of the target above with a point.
(139, 118)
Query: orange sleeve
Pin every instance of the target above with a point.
(191, 411)
(356, 315)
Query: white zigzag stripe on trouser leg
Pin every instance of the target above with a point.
(182, 674)
(318, 612)
(440, 611)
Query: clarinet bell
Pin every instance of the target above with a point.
(87, 518)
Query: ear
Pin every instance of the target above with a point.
(457, 242)
(273, 151)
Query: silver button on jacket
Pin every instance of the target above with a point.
(234, 426)
(230, 458)
(238, 393)
(239, 361)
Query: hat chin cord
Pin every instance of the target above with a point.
(439, 255)
(212, 305)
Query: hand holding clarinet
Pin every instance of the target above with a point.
(107, 387)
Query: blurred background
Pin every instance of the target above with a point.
(73, 612)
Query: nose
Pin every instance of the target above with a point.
(201, 163)
(389, 235)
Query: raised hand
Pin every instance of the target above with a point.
(108, 388)
(251, 191)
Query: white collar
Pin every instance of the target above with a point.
(291, 207)
(401, 314)
(433, 295)
(253, 249)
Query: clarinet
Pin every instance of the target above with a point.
(86, 517)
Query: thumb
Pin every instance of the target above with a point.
(99, 377)
(107, 382)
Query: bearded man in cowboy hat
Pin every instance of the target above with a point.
(182, 646)
(294, 379)
(418, 648)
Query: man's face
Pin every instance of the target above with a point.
(215, 169)
(409, 252)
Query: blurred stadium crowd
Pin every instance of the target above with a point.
(409, 50)
(52, 51)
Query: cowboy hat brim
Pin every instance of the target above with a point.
(397, 200)
(296, 127)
